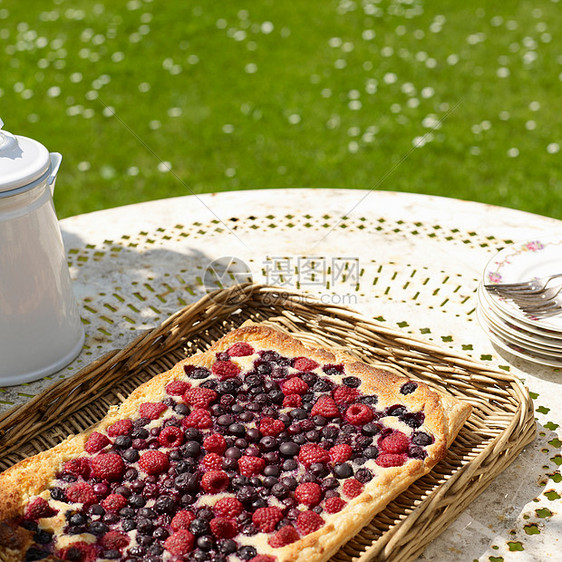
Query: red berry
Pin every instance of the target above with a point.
(345, 395)
(114, 502)
(180, 543)
(359, 414)
(182, 520)
(251, 466)
(39, 508)
(77, 467)
(121, 427)
(215, 481)
(229, 507)
(286, 535)
(270, 426)
(304, 364)
(114, 540)
(340, 453)
(199, 418)
(154, 462)
(263, 558)
(308, 522)
(334, 505)
(310, 453)
(171, 436)
(352, 488)
(79, 550)
(225, 369)
(81, 492)
(107, 466)
(397, 442)
(200, 397)
(240, 349)
(96, 442)
(387, 460)
(211, 461)
(292, 401)
(294, 385)
(215, 443)
(308, 493)
(177, 388)
(326, 407)
(224, 528)
(152, 410)
(266, 518)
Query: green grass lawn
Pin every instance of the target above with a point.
(448, 98)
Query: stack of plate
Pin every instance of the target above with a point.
(507, 326)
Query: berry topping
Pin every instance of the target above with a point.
(294, 385)
(108, 466)
(263, 558)
(311, 453)
(171, 436)
(345, 395)
(80, 550)
(152, 410)
(333, 505)
(197, 373)
(211, 461)
(96, 442)
(352, 382)
(396, 442)
(77, 467)
(198, 418)
(340, 453)
(182, 520)
(215, 443)
(408, 388)
(251, 466)
(286, 535)
(39, 508)
(121, 427)
(229, 507)
(81, 492)
(304, 364)
(390, 459)
(215, 481)
(240, 349)
(177, 388)
(308, 522)
(225, 369)
(154, 462)
(326, 407)
(114, 502)
(266, 518)
(270, 426)
(292, 401)
(200, 397)
(352, 488)
(223, 528)
(333, 370)
(114, 540)
(308, 493)
(422, 439)
(180, 543)
(359, 414)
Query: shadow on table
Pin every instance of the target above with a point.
(543, 372)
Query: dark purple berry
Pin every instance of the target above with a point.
(408, 388)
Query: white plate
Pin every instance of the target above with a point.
(521, 262)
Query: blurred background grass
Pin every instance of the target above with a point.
(152, 99)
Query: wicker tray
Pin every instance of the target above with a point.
(502, 422)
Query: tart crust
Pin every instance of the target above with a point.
(444, 417)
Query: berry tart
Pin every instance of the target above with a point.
(260, 449)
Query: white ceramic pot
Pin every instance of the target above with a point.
(40, 327)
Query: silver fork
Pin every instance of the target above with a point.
(523, 288)
(539, 305)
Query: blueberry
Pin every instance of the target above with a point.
(330, 483)
(110, 518)
(319, 470)
(128, 525)
(371, 452)
(247, 552)
(197, 373)
(417, 452)
(276, 396)
(352, 382)
(246, 416)
(396, 410)
(193, 434)
(371, 429)
(144, 526)
(364, 475)
(253, 434)
(43, 537)
(236, 429)
(164, 504)
(36, 554)
(205, 543)
(111, 554)
(77, 519)
(290, 464)
(160, 533)
(199, 526)
(58, 494)
(370, 399)
(98, 528)
(131, 455)
(322, 385)
(298, 414)
(227, 546)
(413, 420)
(137, 500)
(408, 388)
(191, 449)
(422, 439)
(225, 420)
(181, 409)
(122, 442)
(217, 410)
(155, 550)
(289, 482)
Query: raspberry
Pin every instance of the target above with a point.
(223, 528)
(121, 427)
(345, 395)
(352, 488)
(286, 535)
(387, 460)
(180, 543)
(114, 540)
(333, 505)
(251, 466)
(81, 492)
(177, 388)
(325, 406)
(240, 349)
(308, 493)
(96, 442)
(152, 410)
(340, 453)
(263, 558)
(333, 370)
(39, 508)
(182, 520)
(270, 426)
(229, 507)
(77, 467)
(304, 364)
(310, 453)
(200, 397)
(292, 401)
(396, 442)
(215, 481)
(79, 550)
(359, 414)
(225, 369)
(108, 466)
(294, 386)
(171, 436)
(308, 522)
(199, 418)
(114, 502)
(215, 443)
(211, 461)
(154, 462)
(266, 518)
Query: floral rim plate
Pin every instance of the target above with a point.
(521, 262)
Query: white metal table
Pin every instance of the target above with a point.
(410, 261)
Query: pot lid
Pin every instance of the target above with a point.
(22, 160)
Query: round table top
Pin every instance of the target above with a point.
(411, 261)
